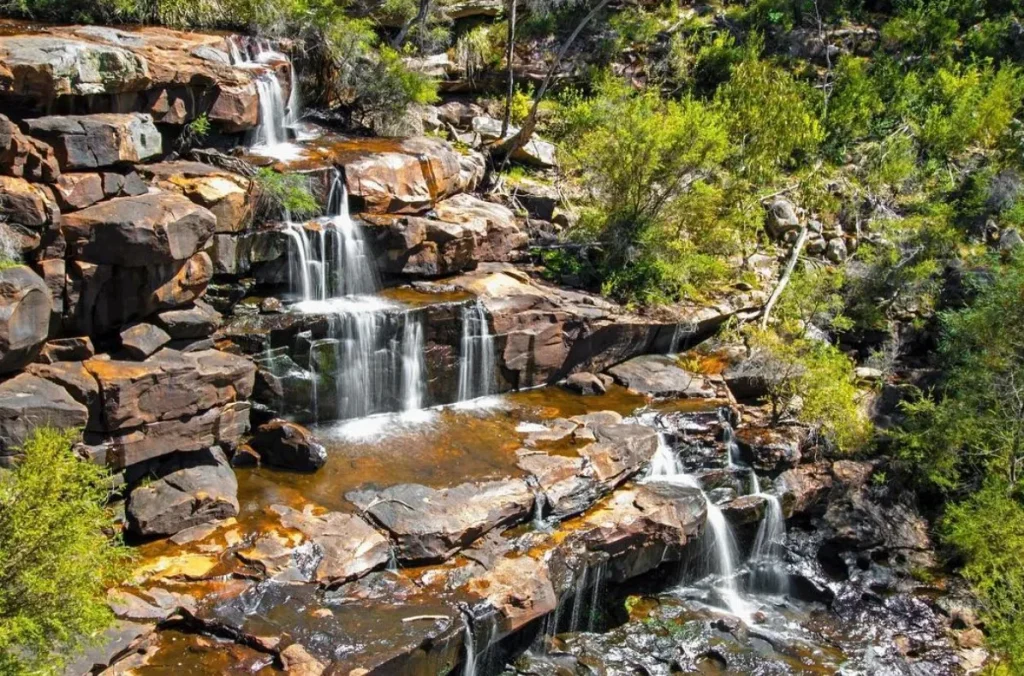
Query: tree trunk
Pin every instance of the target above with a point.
(522, 137)
(784, 280)
(420, 18)
(510, 38)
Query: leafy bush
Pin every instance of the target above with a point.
(55, 559)
(286, 195)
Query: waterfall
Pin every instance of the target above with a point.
(413, 366)
(766, 556)
(355, 270)
(294, 110)
(729, 440)
(469, 667)
(271, 131)
(665, 466)
(476, 361)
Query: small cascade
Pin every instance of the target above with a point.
(540, 502)
(476, 360)
(665, 466)
(413, 366)
(469, 664)
(766, 556)
(356, 272)
(595, 595)
(271, 131)
(681, 334)
(729, 440)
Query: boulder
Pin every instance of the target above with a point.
(620, 452)
(67, 349)
(584, 383)
(44, 67)
(26, 204)
(141, 340)
(803, 489)
(227, 198)
(25, 306)
(197, 321)
(139, 231)
(782, 217)
(836, 250)
(169, 386)
(745, 509)
(74, 378)
(102, 140)
(128, 184)
(430, 525)
(27, 402)
(181, 491)
(567, 484)
(24, 157)
(537, 152)
(78, 190)
(493, 225)
(102, 298)
(660, 376)
(771, 450)
(350, 547)
(288, 445)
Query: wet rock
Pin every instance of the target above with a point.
(771, 449)
(141, 340)
(804, 489)
(25, 305)
(66, 349)
(744, 510)
(198, 321)
(568, 489)
(154, 604)
(138, 231)
(296, 661)
(24, 157)
(102, 140)
(27, 402)
(429, 525)
(620, 452)
(660, 376)
(288, 445)
(186, 489)
(349, 547)
(584, 383)
(519, 588)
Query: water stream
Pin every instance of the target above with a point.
(476, 358)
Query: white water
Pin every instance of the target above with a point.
(476, 358)
(413, 366)
(469, 666)
(665, 466)
(271, 131)
(766, 556)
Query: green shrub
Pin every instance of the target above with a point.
(56, 560)
(287, 195)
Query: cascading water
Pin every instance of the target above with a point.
(729, 441)
(476, 361)
(469, 664)
(766, 556)
(271, 131)
(413, 366)
(665, 466)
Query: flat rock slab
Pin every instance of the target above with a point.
(94, 141)
(350, 547)
(28, 401)
(141, 340)
(430, 525)
(660, 376)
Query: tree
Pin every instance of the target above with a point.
(56, 559)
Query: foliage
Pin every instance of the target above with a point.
(286, 194)
(639, 157)
(988, 531)
(55, 558)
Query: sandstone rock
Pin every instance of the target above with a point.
(782, 217)
(102, 140)
(494, 226)
(24, 157)
(74, 378)
(25, 204)
(188, 489)
(101, 298)
(197, 321)
(67, 349)
(771, 450)
(745, 381)
(584, 383)
(297, 661)
(566, 483)
(836, 250)
(519, 588)
(350, 547)
(28, 402)
(155, 603)
(44, 67)
(538, 152)
(803, 489)
(459, 113)
(169, 386)
(288, 445)
(225, 197)
(429, 525)
(25, 305)
(138, 231)
(78, 191)
(660, 376)
(745, 509)
(141, 340)
(620, 452)
(128, 184)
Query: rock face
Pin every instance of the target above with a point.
(350, 547)
(25, 306)
(186, 489)
(660, 376)
(284, 444)
(25, 157)
(171, 75)
(27, 402)
(139, 231)
(430, 525)
(141, 340)
(173, 401)
(94, 141)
